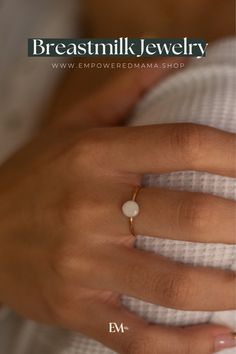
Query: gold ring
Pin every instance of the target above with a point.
(131, 209)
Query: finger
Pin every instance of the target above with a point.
(185, 216)
(158, 280)
(113, 102)
(125, 333)
(112, 325)
(172, 147)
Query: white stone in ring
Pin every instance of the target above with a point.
(130, 209)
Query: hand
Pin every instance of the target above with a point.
(66, 253)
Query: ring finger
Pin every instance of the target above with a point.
(178, 215)
(189, 216)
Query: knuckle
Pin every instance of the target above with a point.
(189, 344)
(148, 342)
(194, 212)
(62, 262)
(175, 288)
(68, 210)
(181, 347)
(72, 261)
(187, 140)
(143, 343)
(81, 212)
(90, 148)
(90, 216)
(91, 210)
(186, 347)
(136, 274)
(62, 306)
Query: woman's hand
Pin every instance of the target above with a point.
(66, 253)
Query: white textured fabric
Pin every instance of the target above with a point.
(203, 93)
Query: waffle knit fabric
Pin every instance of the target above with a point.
(203, 93)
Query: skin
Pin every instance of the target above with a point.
(134, 18)
(66, 253)
(163, 18)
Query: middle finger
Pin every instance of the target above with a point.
(187, 216)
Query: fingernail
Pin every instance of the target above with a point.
(226, 340)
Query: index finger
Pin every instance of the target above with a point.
(172, 147)
(112, 103)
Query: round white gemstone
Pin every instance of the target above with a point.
(130, 209)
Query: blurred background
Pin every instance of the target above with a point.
(31, 89)
(207, 19)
